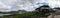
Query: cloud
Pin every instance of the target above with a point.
(4, 7)
(14, 5)
(30, 7)
(54, 3)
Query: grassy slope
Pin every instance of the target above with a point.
(25, 15)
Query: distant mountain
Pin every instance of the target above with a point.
(22, 10)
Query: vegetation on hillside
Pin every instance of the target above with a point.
(40, 12)
(25, 15)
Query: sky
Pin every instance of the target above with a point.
(28, 5)
(54, 3)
